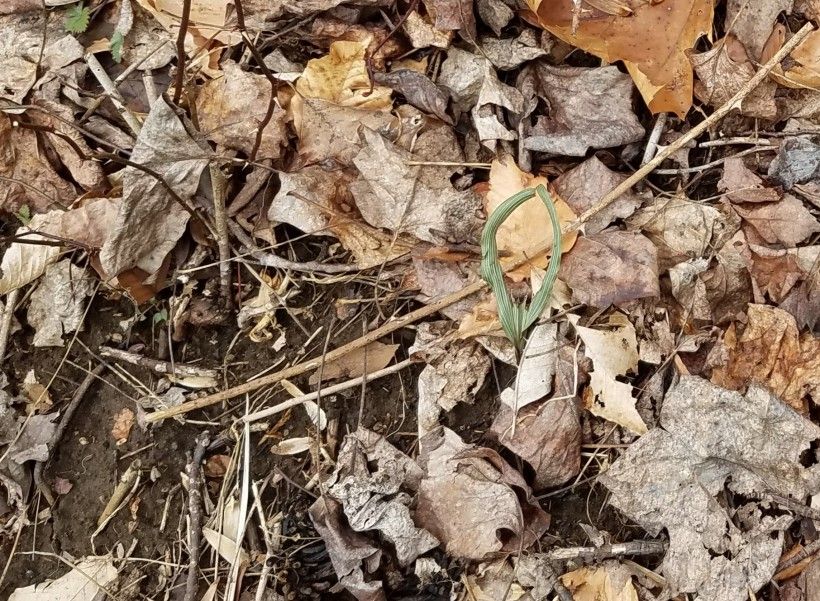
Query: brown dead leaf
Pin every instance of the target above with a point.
(589, 108)
(469, 499)
(752, 22)
(741, 184)
(805, 73)
(39, 399)
(216, 466)
(418, 90)
(723, 71)
(786, 222)
(382, 47)
(613, 353)
(419, 200)
(770, 351)
(652, 42)
(150, 222)
(453, 15)
(791, 278)
(123, 422)
(423, 34)
(610, 268)
(528, 229)
(610, 581)
(62, 486)
(376, 355)
(582, 187)
(230, 109)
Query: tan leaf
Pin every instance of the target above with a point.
(723, 71)
(771, 351)
(786, 222)
(652, 42)
(123, 422)
(231, 108)
(528, 230)
(805, 73)
(741, 184)
(613, 353)
(24, 263)
(341, 77)
(86, 581)
(293, 446)
(216, 466)
(752, 22)
(376, 355)
(39, 399)
(423, 34)
(608, 582)
(610, 268)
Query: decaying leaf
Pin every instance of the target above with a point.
(419, 91)
(453, 15)
(805, 72)
(610, 581)
(673, 477)
(797, 162)
(651, 40)
(419, 200)
(57, 305)
(150, 221)
(231, 108)
(613, 353)
(37, 395)
(741, 184)
(535, 370)
(509, 53)
(723, 71)
(611, 267)
(752, 21)
(786, 222)
(367, 359)
(589, 108)
(23, 263)
(84, 582)
(771, 351)
(123, 422)
(377, 498)
(469, 498)
(528, 230)
(293, 446)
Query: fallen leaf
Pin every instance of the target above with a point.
(419, 200)
(84, 582)
(510, 53)
(533, 381)
(418, 90)
(682, 229)
(547, 435)
(610, 581)
(495, 580)
(797, 162)
(225, 546)
(423, 34)
(469, 499)
(370, 358)
(528, 230)
(123, 422)
(613, 353)
(689, 289)
(372, 497)
(381, 46)
(492, 97)
(462, 74)
(39, 399)
(231, 108)
(589, 108)
(752, 21)
(58, 304)
(582, 187)
(216, 466)
(453, 15)
(723, 71)
(805, 72)
(786, 222)
(651, 40)
(23, 263)
(772, 352)
(741, 184)
(150, 222)
(610, 268)
(660, 482)
(293, 446)
(495, 13)
(62, 486)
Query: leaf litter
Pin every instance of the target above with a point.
(282, 203)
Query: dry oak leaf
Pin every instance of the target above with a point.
(786, 222)
(610, 581)
(613, 353)
(771, 351)
(651, 40)
(610, 268)
(589, 108)
(473, 501)
(231, 107)
(341, 77)
(528, 230)
(367, 359)
(723, 71)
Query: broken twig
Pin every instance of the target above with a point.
(160, 367)
(195, 513)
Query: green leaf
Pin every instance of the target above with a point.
(24, 214)
(160, 317)
(77, 18)
(116, 46)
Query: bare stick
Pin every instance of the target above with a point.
(195, 513)
(311, 396)
(70, 409)
(183, 30)
(477, 286)
(652, 143)
(5, 325)
(218, 185)
(638, 547)
(160, 367)
(257, 178)
(111, 89)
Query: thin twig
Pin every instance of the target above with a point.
(183, 30)
(638, 547)
(5, 325)
(254, 182)
(716, 162)
(223, 244)
(652, 143)
(116, 98)
(155, 365)
(195, 513)
(69, 412)
(479, 285)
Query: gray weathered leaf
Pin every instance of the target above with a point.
(57, 305)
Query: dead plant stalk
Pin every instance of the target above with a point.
(436, 306)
